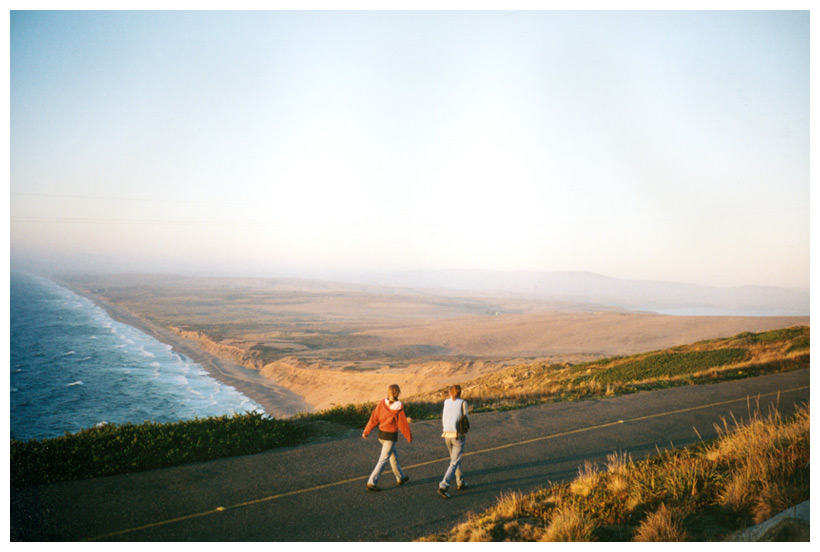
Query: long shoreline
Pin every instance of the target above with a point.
(276, 400)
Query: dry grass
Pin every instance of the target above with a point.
(588, 478)
(618, 465)
(752, 471)
(663, 525)
(763, 455)
(618, 462)
(570, 524)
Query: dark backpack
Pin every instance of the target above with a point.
(463, 423)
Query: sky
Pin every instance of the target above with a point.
(669, 145)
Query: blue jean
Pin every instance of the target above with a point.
(388, 454)
(456, 448)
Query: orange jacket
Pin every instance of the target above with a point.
(389, 417)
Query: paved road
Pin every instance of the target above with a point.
(317, 492)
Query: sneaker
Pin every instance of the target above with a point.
(443, 492)
(403, 480)
(372, 487)
(462, 486)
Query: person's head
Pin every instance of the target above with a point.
(393, 392)
(455, 391)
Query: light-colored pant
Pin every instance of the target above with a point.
(456, 448)
(388, 454)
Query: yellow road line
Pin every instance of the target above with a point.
(482, 451)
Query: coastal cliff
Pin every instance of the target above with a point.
(323, 386)
(222, 350)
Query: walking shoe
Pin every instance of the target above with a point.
(403, 480)
(462, 486)
(443, 492)
(372, 487)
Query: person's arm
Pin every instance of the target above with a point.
(373, 422)
(404, 426)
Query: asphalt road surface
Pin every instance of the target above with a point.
(317, 492)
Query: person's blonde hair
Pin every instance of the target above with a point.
(393, 392)
(455, 391)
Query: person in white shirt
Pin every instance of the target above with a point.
(454, 408)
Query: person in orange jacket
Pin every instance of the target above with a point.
(390, 417)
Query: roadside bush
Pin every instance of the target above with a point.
(114, 449)
(351, 415)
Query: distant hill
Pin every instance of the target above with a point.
(586, 288)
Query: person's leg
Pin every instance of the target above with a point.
(455, 446)
(394, 463)
(459, 472)
(384, 457)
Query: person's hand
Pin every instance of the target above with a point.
(364, 436)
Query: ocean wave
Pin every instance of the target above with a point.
(122, 337)
(127, 375)
(178, 379)
(250, 406)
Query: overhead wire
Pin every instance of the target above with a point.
(141, 199)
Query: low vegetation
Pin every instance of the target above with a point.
(701, 493)
(126, 448)
(744, 355)
(114, 449)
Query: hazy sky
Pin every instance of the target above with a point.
(646, 145)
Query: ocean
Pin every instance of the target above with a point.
(73, 367)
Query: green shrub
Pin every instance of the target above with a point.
(802, 343)
(115, 449)
(351, 415)
(774, 336)
(670, 365)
